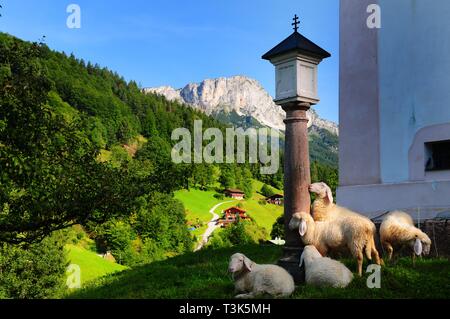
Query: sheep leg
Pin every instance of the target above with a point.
(360, 262)
(414, 259)
(376, 256)
(389, 249)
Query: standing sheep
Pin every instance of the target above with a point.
(352, 232)
(323, 207)
(397, 229)
(323, 271)
(252, 279)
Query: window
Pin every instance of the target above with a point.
(437, 156)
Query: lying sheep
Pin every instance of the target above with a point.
(397, 229)
(323, 271)
(353, 232)
(252, 279)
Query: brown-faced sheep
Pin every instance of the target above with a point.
(397, 229)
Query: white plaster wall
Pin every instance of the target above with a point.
(414, 73)
(358, 97)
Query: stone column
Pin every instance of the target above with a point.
(297, 179)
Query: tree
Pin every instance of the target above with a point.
(48, 173)
(278, 228)
(267, 191)
(226, 178)
(36, 272)
(246, 183)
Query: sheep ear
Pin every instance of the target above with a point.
(418, 247)
(302, 227)
(329, 195)
(301, 259)
(248, 264)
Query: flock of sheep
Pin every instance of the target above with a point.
(331, 228)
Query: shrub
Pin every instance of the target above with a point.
(36, 272)
(278, 228)
(262, 201)
(219, 196)
(239, 233)
(158, 229)
(267, 191)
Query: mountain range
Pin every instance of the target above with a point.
(243, 102)
(237, 95)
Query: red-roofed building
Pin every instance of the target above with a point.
(231, 215)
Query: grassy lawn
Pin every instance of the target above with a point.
(204, 275)
(198, 203)
(264, 215)
(199, 232)
(257, 185)
(92, 266)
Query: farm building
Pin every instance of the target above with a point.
(276, 199)
(231, 215)
(394, 108)
(234, 193)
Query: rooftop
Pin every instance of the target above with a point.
(234, 190)
(297, 43)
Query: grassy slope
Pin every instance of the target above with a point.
(188, 276)
(92, 266)
(264, 215)
(198, 203)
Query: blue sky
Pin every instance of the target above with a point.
(173, 42)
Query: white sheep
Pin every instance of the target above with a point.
(353, 232)
(323, 207)
(252, 280)
(397, 229)
(323, 271)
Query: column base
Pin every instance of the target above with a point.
(290, 262)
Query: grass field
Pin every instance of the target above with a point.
(91, 265)
(204, 275)
(198, 203)
(264, 215)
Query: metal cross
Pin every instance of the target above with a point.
(296, 23)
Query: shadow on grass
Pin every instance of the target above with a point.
(204, 275)
(193, 275)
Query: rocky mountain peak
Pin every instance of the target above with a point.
(240, 94)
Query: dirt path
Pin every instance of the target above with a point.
(212, 226)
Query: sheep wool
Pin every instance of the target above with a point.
(252, 280)
(397, 229)
(353, 233)
(323, 271)
(323, 207)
